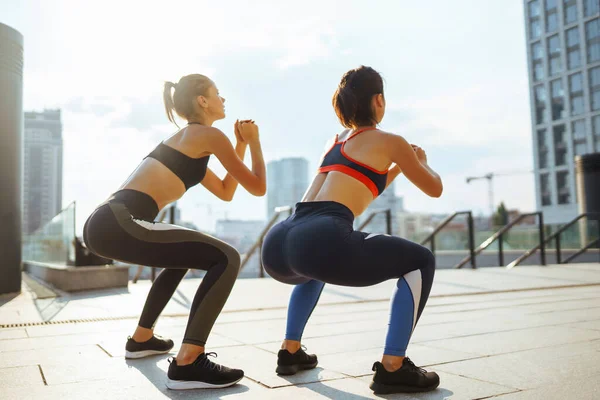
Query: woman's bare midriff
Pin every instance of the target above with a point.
(341, 188)
(156, 180)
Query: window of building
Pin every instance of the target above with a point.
(579, 137)
(540, 104)
(537, 51)
(558, 100)
(560, 145)
(591, 7)
(554, 55)
(573, 49)
(576, 93)
(563, 188)
(545, 190)
(570, 11)
(551, 16)
(542, 149)
(594, 74)
(535, 29)
(592, 37)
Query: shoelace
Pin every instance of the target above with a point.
(413, 366)
(205, 362)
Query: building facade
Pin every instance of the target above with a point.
(287, 181)
(563, 51)
(42, 168)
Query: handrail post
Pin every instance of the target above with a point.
(542, 239)
(471, 239)
(558, 255)
(500, 251)
(388, 218)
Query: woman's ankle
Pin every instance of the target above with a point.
(142, 335)
(188, 353)
(291, 345)
(392, 363)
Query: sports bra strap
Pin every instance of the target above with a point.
(358, 132)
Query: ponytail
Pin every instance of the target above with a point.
(168, 100)
(181, 101)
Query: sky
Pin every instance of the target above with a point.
(455, 83)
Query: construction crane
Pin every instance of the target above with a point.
(490, 177)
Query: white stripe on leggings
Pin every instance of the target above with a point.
(414, 281)
(159, 226)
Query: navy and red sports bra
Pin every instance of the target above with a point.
(336, 159)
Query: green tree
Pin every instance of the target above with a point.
(500, 217)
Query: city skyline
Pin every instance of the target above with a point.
(456, 86)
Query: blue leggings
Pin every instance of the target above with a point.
(318, 245)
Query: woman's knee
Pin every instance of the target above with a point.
(234, 260)
(428, 267)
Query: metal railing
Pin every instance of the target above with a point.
(388, 219)
(556, 236)
(446, 221)
(259, 242)
(498, 236)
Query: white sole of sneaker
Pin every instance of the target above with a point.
(186, 385)
(144, 353)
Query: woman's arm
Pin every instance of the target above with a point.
(392, 174)
(254, 181)
(412, 160)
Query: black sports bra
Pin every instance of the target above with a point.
(190, 170)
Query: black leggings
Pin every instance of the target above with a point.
(121, 229)
(318, 245)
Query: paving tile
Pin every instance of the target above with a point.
(84, 327)
(13, 345)
(595, 325)
(533, 368)
(12, 334)
(75, 354)
(123, 388)
(73, 372)
(580, 389)
(28, 376)
(518, 340)
(256, 332)
(475, 323)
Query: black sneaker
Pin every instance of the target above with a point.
(201, 374)
(156, 345)
(407, 379)
(289, 364)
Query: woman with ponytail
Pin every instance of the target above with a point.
(123, 228)
(318, 245)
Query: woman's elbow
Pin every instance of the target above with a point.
(437, 192)
(227, 197)
(259, 190)
(262, 190)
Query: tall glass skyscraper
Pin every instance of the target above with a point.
(563, 52)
